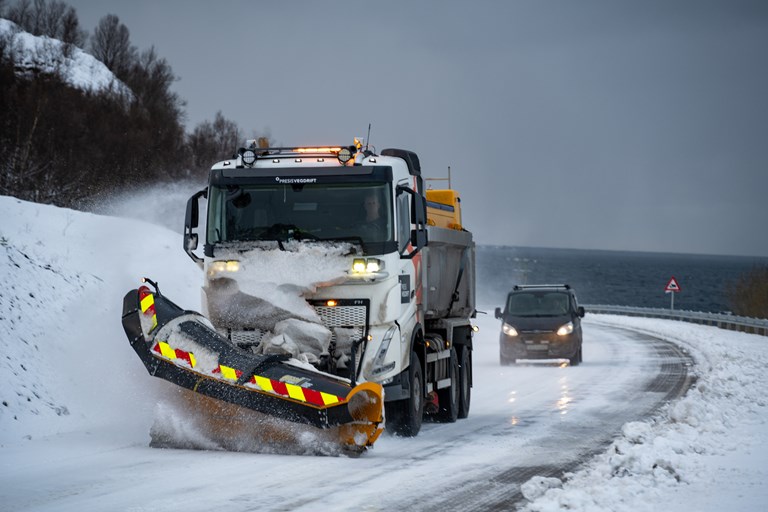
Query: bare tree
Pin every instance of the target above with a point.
(49, 17)
(21, 14)
(53, 19)
(71, 33)
(210, 142)
(111, 44)
(749, 295)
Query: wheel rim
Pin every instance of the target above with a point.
(416, 394)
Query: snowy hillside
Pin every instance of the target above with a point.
(68, 377)
(42, 55)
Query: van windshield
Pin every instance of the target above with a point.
(359, 212)
(537, 304)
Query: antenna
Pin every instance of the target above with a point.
(368, 137)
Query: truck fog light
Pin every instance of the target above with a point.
(358, 265)
(373, 265)
(367, 266)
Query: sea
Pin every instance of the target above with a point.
(613, 277)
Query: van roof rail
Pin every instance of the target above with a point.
(526, 286)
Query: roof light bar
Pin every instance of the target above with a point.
(318, 150)
(251, 153)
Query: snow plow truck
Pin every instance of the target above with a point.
(337, 292)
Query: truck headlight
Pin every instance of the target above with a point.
(565, 330)
(367, 265)
(378, 361)
(508, 329)
(221, 266)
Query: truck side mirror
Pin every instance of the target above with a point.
(417, 213)
(191, 242)
(191, 221)
(419, 238)
(497, 312)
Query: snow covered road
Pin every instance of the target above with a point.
(77, 405)
(525, 421)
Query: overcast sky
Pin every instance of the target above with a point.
(626, 125)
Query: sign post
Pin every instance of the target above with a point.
(672, 288)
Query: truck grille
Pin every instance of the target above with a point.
(342, 316)
(353, 317)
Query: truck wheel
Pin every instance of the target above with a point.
(404, 417)
(448, 398)
(465, 382)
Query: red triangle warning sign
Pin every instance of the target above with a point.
(672, 286)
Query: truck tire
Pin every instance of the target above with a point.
(448, 398)
(465, 381)
(404, 417)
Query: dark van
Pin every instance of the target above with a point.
(541, 322)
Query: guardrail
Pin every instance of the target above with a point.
(730, 322)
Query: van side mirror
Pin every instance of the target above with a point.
(580, 311)
(498, 313)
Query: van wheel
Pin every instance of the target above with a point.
(576, 359)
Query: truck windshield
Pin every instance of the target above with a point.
(359, 212)
(537, 304)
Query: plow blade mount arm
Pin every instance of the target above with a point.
(182, 347)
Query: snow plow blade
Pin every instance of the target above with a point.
(183, 348)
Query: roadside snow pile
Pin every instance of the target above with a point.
(34, 279)
(42, 55)
(60, 269)
(690, 444)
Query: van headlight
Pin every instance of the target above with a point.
(508, 329)
(565, 330)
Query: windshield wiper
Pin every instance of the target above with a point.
(356, 239)
(285, 232)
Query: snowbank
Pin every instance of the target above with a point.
(41, 54)
(62, 269)
(700, 453)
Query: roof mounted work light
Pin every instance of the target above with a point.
(249, 156)
(345, 154)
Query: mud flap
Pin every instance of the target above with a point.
(183, 348)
